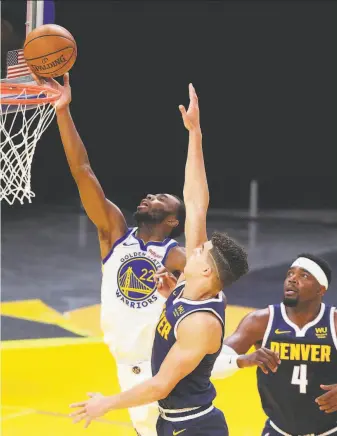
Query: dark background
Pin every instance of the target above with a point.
(265, 72)
(266, 75)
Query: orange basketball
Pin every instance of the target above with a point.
(50, 50)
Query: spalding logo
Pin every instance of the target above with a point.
(59, 61)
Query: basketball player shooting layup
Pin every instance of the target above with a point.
(190, 330)
(131, 302)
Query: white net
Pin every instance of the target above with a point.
(21, 127)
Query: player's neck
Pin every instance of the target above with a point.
(150, 232)
(194, 290)
(304, 312)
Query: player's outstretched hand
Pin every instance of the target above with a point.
(65, 90)
(166, 282)
(264, 358)
(88, 410)
(328, 401)
(191, 118)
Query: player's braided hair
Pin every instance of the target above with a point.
(229, 257)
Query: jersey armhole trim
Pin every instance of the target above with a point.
(168, 249)
(201, 309)
(269, 325)
(220, 299)
(121, 239)
(332, 326)
(180, 285)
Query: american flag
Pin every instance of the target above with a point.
(16, 64)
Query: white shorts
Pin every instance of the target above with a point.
(144, 418)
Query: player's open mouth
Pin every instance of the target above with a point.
(143, 204)
(290, 292)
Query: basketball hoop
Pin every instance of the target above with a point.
(20, 132)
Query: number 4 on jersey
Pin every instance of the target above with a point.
(300, 378)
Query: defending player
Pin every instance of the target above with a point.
(302, 330)
(190, 330)
(131, 302)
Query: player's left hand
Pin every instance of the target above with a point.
(97, 406)
(65, 90)
(166, 282)
(328, 401)
(264, 358)
(191, 118)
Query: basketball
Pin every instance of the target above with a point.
(50, 50)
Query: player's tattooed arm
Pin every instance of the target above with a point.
(198, 334)
(106, 216)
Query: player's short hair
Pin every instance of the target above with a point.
(181, 216)
(229, 257)
(323, 264)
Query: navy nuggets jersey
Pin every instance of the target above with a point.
(195, 390)
(308, 359)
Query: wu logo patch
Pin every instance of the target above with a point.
(321, 332)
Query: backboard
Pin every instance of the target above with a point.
(18, 18)
(39, 12)
(25, 109)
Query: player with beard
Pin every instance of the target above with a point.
(131, 301)
(296, 352)
(302, 331)
(190, 330)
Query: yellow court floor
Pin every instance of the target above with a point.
(41, 377)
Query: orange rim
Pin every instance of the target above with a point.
(32, 95)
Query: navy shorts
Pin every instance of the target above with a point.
(269, 431)
(211, 424)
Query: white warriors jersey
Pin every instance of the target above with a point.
(131, 304)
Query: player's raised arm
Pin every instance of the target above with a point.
(196, 195)
(105, 215)
(198, 335)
